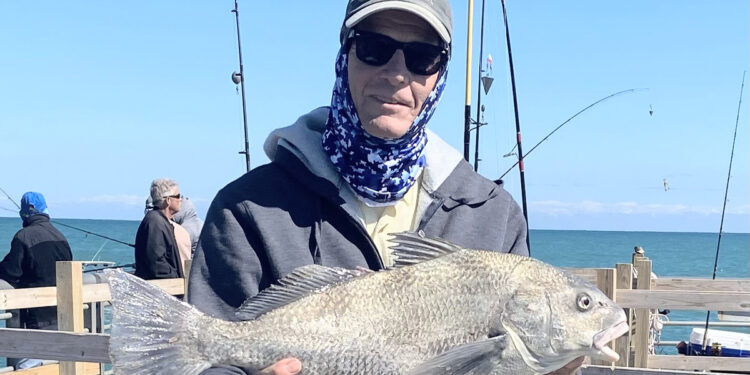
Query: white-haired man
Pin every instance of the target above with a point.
(157, 255)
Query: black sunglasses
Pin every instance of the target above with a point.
(377, 49)
(176, 196)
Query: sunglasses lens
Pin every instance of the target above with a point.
(422, 58)
(374, 49)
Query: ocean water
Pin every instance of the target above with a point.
(673, 254)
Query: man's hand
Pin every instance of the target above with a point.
(570, 368)
(286, 366)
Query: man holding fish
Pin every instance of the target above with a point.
(344, 177)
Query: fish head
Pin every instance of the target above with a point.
(554, 317)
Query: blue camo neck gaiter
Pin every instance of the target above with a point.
(380, 171)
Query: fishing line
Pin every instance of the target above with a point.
(94, 234)
(563, 124)
(98, 251)
(724, 208)
(70, 226)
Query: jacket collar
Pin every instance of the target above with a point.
(35, 218)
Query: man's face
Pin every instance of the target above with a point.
(173, 203)
(389, 97)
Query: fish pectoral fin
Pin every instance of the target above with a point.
(476, 356)
(297, 284)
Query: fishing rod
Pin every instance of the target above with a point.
(129, 265)
(479, 93)
(724, 208)
(10, 199)
(518, 126)
(70, 226)
(239, 78)
(565, 122)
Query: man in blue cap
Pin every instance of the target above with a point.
(30, 263)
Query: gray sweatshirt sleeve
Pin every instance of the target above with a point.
(516, 230)
(226, 268)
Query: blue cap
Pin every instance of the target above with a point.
(33, 203)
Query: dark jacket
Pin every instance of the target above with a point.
(296, 211)
(156, 253)
(30, 263)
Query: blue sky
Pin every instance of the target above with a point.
(97, 99)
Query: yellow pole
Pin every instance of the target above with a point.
(467, 109)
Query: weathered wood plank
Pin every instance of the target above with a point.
(735, 316)
(54, 369)
(680, 283)
(684, 300)
(27, 298)
(642, 316)
(100, 292)
(681, 362)
(588, 274)
(47, 296)
(606, 279)
(186, 265)
(624, 272)
(61, 346)
(70, 306)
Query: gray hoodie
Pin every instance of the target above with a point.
(296, 210)
(188, 218)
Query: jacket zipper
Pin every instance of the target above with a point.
(362, 231)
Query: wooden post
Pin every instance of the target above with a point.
(643, 317)
(606, 279)
(186, 264)
(70, 307)
(622, 344)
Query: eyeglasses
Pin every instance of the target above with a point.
(176, 196)
(377, 49)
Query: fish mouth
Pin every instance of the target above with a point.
(603, 337)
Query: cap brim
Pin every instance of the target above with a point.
(418, 10)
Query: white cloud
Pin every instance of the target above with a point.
(555, 208)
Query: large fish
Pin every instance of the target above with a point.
(442, 310)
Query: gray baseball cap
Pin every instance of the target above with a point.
(436, 12)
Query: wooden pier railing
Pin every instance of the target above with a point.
(81, 352)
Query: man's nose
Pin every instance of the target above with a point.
(395, 70)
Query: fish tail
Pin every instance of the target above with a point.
(152, 332)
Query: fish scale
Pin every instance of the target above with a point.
(441, 310)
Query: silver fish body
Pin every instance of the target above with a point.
(442, 310)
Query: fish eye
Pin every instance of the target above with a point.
(583, 302)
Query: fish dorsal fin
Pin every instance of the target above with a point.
(473, 358)
(412, 248)
(299, 283)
